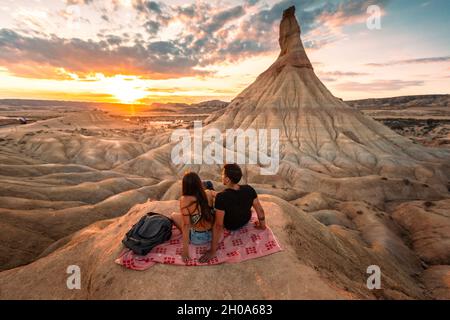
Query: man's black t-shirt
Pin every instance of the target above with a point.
(237, 205)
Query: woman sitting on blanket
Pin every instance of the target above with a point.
(195, 219)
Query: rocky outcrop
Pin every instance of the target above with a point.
(428, 226)
(437, 280)
(292, 50)
(316, 263)
(323, 141)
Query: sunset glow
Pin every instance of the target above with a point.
(125, 89)
(131, 51)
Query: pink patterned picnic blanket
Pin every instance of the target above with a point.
(235, 246)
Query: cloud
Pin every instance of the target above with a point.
(188, 11)
(213, 34)
(210, 33)
(240, 48)
(379, 85)
(348, 12)
(333, 76)
(329, 79)
(343, 74)
(251, 3)
(167, 90)
(318, 43)
(152, 27)
(218, 20)
(46, 58)
(411, 61)
(150, 7)
(320, 22)
(153, 7)
(164, 47)
(78, 2)
(114, 40)
(206, 34)
(204, 18)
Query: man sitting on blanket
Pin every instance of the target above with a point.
(233, 207)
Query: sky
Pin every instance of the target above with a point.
(140, 51)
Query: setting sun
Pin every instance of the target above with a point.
(125, 89)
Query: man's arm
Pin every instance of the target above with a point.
(260, 212)
(216, 235)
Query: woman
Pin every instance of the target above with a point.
(195, 219)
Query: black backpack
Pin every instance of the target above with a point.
(151, 230)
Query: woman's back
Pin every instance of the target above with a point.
(191, 207)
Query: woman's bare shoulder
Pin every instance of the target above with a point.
(187, 199)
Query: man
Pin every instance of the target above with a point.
(233, 207)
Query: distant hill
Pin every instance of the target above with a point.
(405, 102)
(212, 104)
(56, 103)
(392, 103)
(424, 119)
(202, 107)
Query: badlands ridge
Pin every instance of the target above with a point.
(349, 193)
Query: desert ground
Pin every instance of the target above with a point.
(360, 183)
(423, 119)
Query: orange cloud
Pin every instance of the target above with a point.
(378, 85)
(45, 58)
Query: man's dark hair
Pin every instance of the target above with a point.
(233, 172)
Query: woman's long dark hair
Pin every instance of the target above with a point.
(192, 186)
